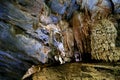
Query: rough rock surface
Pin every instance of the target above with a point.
(18, 50)
(78, 71)
(103, 39)
(35, 32)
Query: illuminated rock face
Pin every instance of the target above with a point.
(103, 39)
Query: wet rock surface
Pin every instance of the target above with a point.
(17, 48)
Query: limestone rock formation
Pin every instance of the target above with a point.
(43, 32)
(103, 39)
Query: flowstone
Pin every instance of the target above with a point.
(103, 39)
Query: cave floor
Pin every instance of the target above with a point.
(79, 71)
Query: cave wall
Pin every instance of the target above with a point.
(35, 32)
